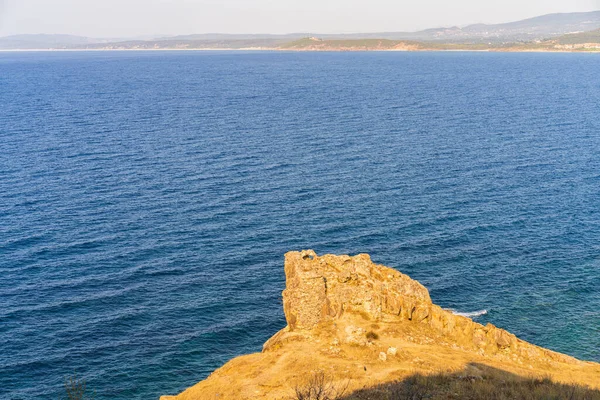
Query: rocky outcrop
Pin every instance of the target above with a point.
(321, 289)
(369, 324)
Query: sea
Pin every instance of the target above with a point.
(147, 200)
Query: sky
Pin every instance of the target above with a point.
(139, 18)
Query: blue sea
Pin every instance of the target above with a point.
(147, 200)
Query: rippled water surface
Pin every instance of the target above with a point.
(147, 199)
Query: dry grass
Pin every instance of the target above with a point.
(487, 384)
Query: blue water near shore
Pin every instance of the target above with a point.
(147, 199)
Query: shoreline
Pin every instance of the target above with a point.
(270, 49)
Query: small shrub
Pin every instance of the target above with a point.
(76, 389)
(372, 335)
(319, 387)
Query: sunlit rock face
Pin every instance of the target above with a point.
(366, 324)
(320, 290)
(323, 288)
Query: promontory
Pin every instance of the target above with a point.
(359, 330)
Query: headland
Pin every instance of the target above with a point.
(363, 329)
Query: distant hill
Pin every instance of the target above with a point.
(208, 41)
(315, 44)
(189, 42)
(531, 29)
(538, 29)
(233, 37)
(579, 38)
(44, 41)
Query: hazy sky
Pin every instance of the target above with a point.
(126, 18)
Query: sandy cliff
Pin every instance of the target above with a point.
(366, 324)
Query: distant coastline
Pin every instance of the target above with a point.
(567, 32)
(307, 50)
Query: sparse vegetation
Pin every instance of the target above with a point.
(578, 38)
(320, 387)
(372, 335)
(476, 382)
(76, 389)
(487, 384)
(349, 44)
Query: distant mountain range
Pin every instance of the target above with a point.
(536, 29)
